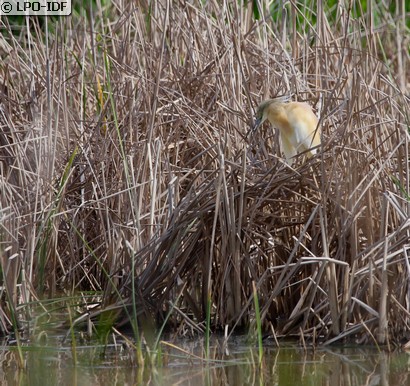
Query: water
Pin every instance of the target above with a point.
(53, 363)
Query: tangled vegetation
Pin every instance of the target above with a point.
(128, 179)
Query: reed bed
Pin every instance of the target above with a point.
(126, 169)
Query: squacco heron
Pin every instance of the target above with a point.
(297, 125)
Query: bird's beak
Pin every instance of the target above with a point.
(256, 124)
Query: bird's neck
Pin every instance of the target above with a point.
(277, 117)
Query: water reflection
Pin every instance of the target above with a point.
(288, 365)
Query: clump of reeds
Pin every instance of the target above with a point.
(126, 170)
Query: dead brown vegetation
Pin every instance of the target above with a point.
(125, 168)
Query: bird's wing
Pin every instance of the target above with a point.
(304, 123)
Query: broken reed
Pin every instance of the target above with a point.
(126, 169)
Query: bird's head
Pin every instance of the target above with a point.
(262, 110)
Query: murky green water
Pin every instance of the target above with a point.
(235, 365)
